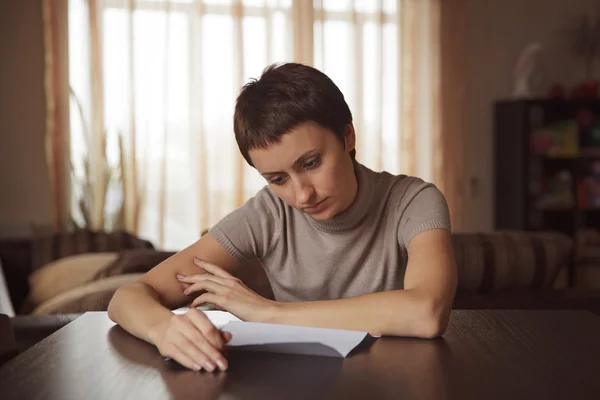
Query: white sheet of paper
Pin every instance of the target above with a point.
(255, 336)
(218, 318)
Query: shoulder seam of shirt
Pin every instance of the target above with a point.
(413, 180)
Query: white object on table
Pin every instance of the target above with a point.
(255, 336)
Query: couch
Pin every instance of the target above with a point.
(80, 271)
(21, 257)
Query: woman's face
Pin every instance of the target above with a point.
(310, 169)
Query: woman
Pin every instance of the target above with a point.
(343, 247)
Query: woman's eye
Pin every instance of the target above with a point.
(312, 163)
(278, 181)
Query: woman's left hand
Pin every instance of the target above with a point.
(228, 293)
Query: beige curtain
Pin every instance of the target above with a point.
(384, 56)
(153, 89)
(153, 85)
(452, 112)
(401, 66)
(57, 110)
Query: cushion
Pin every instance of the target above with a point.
(510, 260)
(143, 260)
(587, 277)
(532, 300)
(64, 274)
(133, 261)
(92, 296)
(47, 247)
(588, 248)
(587, 269)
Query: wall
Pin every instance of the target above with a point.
(497, 32)
(24, 182)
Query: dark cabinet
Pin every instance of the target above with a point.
(547, 165)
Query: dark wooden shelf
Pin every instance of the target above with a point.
(578, 158)
(521, 175)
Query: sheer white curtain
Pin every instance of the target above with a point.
(167, 74)
(154, 83)
(383, 54)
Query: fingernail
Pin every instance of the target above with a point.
(180, 276)
(221, 365)
(197, 260)
(197, 367)
(209, 366)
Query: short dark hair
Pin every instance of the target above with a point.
(285, 96)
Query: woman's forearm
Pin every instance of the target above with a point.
(394, 313)
(137, 309)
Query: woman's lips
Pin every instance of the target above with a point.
(316, 208)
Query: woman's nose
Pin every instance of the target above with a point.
(304, 192)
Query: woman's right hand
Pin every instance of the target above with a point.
(191, 340)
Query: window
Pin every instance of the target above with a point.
(153, 89)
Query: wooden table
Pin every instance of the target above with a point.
(483, 355)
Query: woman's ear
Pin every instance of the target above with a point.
(349, 137)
